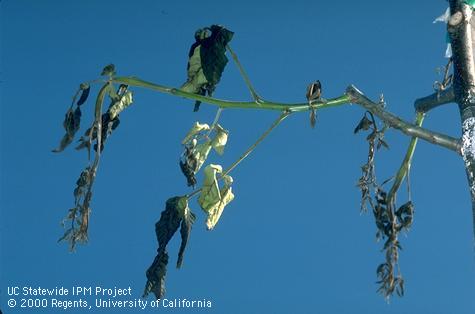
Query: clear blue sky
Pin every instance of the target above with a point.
(293, 240)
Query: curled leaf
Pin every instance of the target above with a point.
(213, 200)
(185, 230)
(220, 139)
(109, 70)
(194, 131)
(85, 89)
(207, 60)
(72, 121)
(176, 212)
(118, 106)
(314, 91)
(364, 125)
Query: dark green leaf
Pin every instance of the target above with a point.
(72, 121)
(85, 88)
(109, 70)
(175, 211)
(185, 230)
(169, 222)
(156, 274)
(364, 124)
(207, 60)
(314, 91)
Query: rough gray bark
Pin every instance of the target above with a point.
(462, 36)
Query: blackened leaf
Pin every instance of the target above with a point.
(314, 91)
(207, 60)
(313, 118)
(382, 143)
(213, 53)
(72, 121)
(85, 93)
(364, 124)
(188, 172)
(165, 228)
(108, 70)
(185, 230)
(156, 274)
(169, 222)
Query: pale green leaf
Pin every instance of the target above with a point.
(120, 105)
(195, 130)
(220, 139)
(213, 200)
(201, 152)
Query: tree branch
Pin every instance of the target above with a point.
(425, 104)
(395, 122)
(262, 104)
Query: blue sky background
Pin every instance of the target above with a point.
(293, 240)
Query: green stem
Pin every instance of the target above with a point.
(254, 94)
(406, 163)
(267, 105)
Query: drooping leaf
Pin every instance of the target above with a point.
(213, 200)
(78, 216)
(71, 124)
(176, 212)
(85, 89)
(185, 230)
(314, 91)
(123, 102)
(169, 221)
(364, 125)
(109, 120)
(194, 131)
(220, 139)
(313, 118)
(156, 274)
(207, 60)
(109, 70)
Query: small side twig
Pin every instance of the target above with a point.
(253, 92)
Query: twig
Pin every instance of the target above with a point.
(406, 163)
(253, 92)
(259, 140)
(407, 128)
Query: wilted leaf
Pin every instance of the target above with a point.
(72, 121)
(364, 124)
(314, 91)
(85, 89)
(207, 60)
(156, 274)
(313, 118)
(79, 214)
(213, 200)
(176, 212)
(194, 131)
(405, 214)
(220, 139)
(185, 230)
(118, 106)
(382, 143)
(109, 70)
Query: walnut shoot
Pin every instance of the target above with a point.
(207, 59)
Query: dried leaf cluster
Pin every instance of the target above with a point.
(95, 136)
(389, 221)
